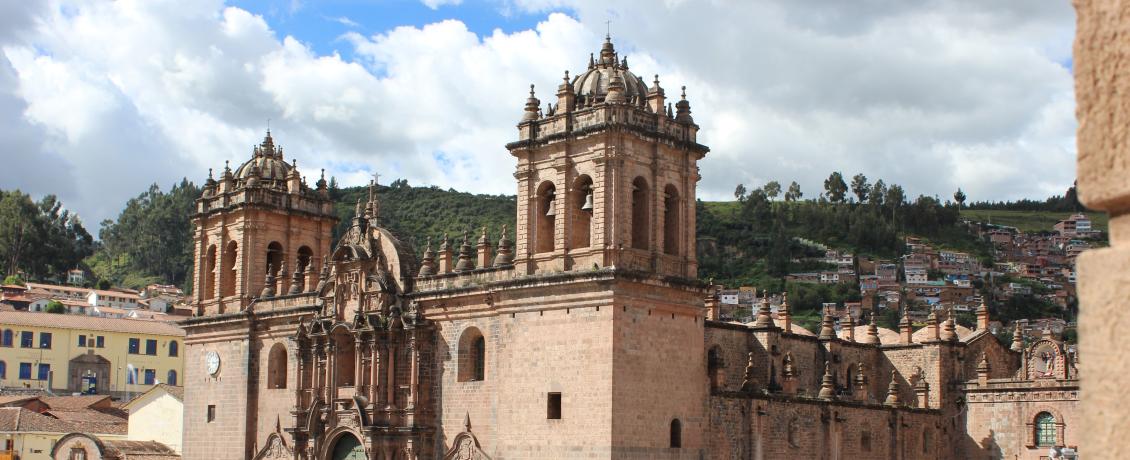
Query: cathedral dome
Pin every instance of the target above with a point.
(594, 82)
(266, 163)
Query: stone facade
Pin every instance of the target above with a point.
(587, 337)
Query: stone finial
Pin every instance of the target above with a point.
(466, 262)
(1017, 338)
(784, 314)
(893, 391)
(906, 334)
(949, 328)
(505, 256)
(683, 109)
(983, 370)
(310, 276)
(280, 278)
(848, 326)
(788, 373)
(764, 314)
(467, 422)
(932, 327)
(268, 285)
(428, 264)
(827, 386)
(615, 89)
(827, 328)
(983, 316)
(748, 380)
(860, 383)
(483, 255)
(872, 336)
(532, 107)
(445, 255)
(324, 276)
(296, 282)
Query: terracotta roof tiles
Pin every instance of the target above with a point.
(89, 323)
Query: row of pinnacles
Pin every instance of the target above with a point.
(937, 332)
(468, 258)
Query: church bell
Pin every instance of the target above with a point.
(588, 202)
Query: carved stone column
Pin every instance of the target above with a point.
(374, 371)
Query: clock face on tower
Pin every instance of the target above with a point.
(212, 362)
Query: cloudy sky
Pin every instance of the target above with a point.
(100, 99)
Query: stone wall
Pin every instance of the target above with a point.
(1102, 94)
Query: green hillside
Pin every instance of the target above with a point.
(1029, 221)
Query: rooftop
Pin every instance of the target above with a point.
(88, 323)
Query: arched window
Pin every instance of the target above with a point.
(3, 370)
(1045, 430)
(546, 217)
(671, 220)
(641, 214)
(345, 356)
(210, 273)
(174, 348)
(276, 367)
(303, 259)
(7, 338)
(172, 378)
(676, 434)
(274, 256)
(472, 356)
(580, 209)
(227, 281)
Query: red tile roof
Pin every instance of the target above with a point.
(88, 323)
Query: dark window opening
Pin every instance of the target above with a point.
(553, 409)
(211, 413)
(676, 434)
(151, 347)
(134, 346)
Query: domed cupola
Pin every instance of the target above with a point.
(266, 166)
(608, 74)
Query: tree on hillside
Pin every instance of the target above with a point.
(793, 194)
(42, 239)
(860, 187)
(153, 234)
(835, 189)
(739, 192)
(959, 197)
(895, 196)
(772, 189)
(877, 194)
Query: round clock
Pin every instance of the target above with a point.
(212, 362)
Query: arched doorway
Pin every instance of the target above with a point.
(348, 448)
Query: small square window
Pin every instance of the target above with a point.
(82, 340)
(553, 406)
(211, 413)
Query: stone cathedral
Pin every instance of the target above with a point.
(588, 336)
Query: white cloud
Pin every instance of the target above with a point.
(435, 4)
(102, 99)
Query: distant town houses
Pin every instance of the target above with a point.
(155, 302)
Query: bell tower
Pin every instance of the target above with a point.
(607, 175)
(258, 229)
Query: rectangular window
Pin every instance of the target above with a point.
(25, 371)
(101, 342)
(44, 371)
(131, 376)
(134, 346)
(150, 376)
(211, 413)
(82, 340)
(27, 339)
(553, 407)
(151, 347)
(45, 340)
